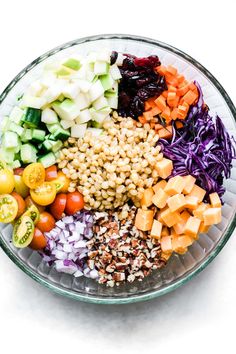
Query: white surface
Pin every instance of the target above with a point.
(195, 318)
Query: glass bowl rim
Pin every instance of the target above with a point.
(190, 274)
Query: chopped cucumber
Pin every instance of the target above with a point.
(16, 128)
(32, 117)
(53, 127)
(82, 101)
(61, 134)
(15, 164)
(100, 103)
(10, 140)
(5, 124)
(49, 116)
(16, 115)
(26, 135)
(57, 145)
(28, 153)
(84, 117)
(67, 110)
(84, 85)
(113, 101)
(71, 90)
(115, 72)
(47, 145)
(33, 102)
(38, 135)
(63, 71)
(67, 124)
(72, 63)
(47, 160)
(8, 155)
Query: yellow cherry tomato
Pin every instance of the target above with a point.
(7, 182)
(62, 182)
(8, 208)
(34, 175)
(44, 194)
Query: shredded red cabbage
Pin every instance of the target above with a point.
(202, 148)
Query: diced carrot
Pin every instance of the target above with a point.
(161, 102)
(142, 119)
(165, 94)
(183, 90)
(158, 126)
(148, 115)
(174, 114)
(152, 125)
(182, 109)
(150, 103)
(179, 125)
(171, 95)
(171, 88)
(181, 114)
(161, 69)
(171, 80)
(180, 79)
(172, 70)
(166, 132)
(190, 97)
(192, 86)
(166, 113)
(155, 111)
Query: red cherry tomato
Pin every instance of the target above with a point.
(74, 203)
(58, 206)
(46, 222)
(18, 171)
(51, 173)
(20, 202)
(39, 240)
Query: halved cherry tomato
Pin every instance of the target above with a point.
(62, 182)
(7, 182)
(29, 201)
(8, 208)
(58, 206)
(18, 171)
(20, 202)
(44, 194)
(74, 203)
(34, 175)
(51, 173)
(46, 222)
(39, 240)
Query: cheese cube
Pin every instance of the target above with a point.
(156, 229)
(191, 202)
(189, 183)
(170, 218)
(176, 202)
(212, 216)
(180, 244)
(192, 227)
(166, 244)
(198, 212)
(159, 218)
(197, 192)
(147, 197)
(160, 198)
(175, 185)
(179, 227)
(144, 219)
(215, 200)
(203, 228)
(159, 185)
(164, 168)
(165, 256)
(165, 231)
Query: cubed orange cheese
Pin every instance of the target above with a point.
(179, 227)
(198, 212)
(203, 228)
(180, 244)
(174, 185)
(144, 219)
(166, 244)
(170, 218)
(192, 227)
(147, 197)
(160, 198)
(176, 202)
(189, 183)
(197, 192)
(165, 231)
(164, 168)
(159, 213)
(165, 256)
(159, 185)
(212, 216)
(191, 202)
(156, 229)
(215, 200)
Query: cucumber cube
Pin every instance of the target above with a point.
(72, 63)
(67, 110)
(10, 140)
(16, 115)
(67, 123)
(33, 102)
(84, 116)
(28, 153)
(71, 90)
(49, 116)
(82, 101)
(16, 128)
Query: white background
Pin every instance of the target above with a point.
(200, 316)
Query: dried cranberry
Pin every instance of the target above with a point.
(113, 58)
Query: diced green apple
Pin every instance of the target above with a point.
(106, 81)
(67, 110)
(72, 63)
(96, 90)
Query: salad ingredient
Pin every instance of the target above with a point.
(197, 192)
(189, 183)
(44, 194)
(212, 216)
(175, 185)
(118, 165)
(159, 199)
(18, 171)
(20, 186)
(119, 251)
(144, 219)
(67, 245)
(39, 241)
(33, 212)
(147, 197)
(215, 200)
(139, 82)
(20, 202)
(164, 168)
(32, 117)
(29, 201)
(46, 222)
(192, 226)
(8, 208)
(201, 148)
(62, 182)
(156, 229)
(23, 232)
(51, 173)
(47, 160)
(7, 182)
(3, 164)
(57, 208)
(74, 203)
(34, 175)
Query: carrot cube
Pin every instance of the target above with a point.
(180, 78)
(179, 125)
(170, 218)
(147, 197)
(191, 202)
(183, 90)
(179, 227)
(165, 231)
(144, 219)
(165, 94)
(190, 97)
(171, 88)
(171, 96)
(172, 70)
(174, 114)
(165, 133)
(158, 126)
(155, 111)
(148, 115)
(161, 69)
(166, 113)
(189, 183)
(164, 167)
(161, 102)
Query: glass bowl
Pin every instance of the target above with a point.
(179, 269)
